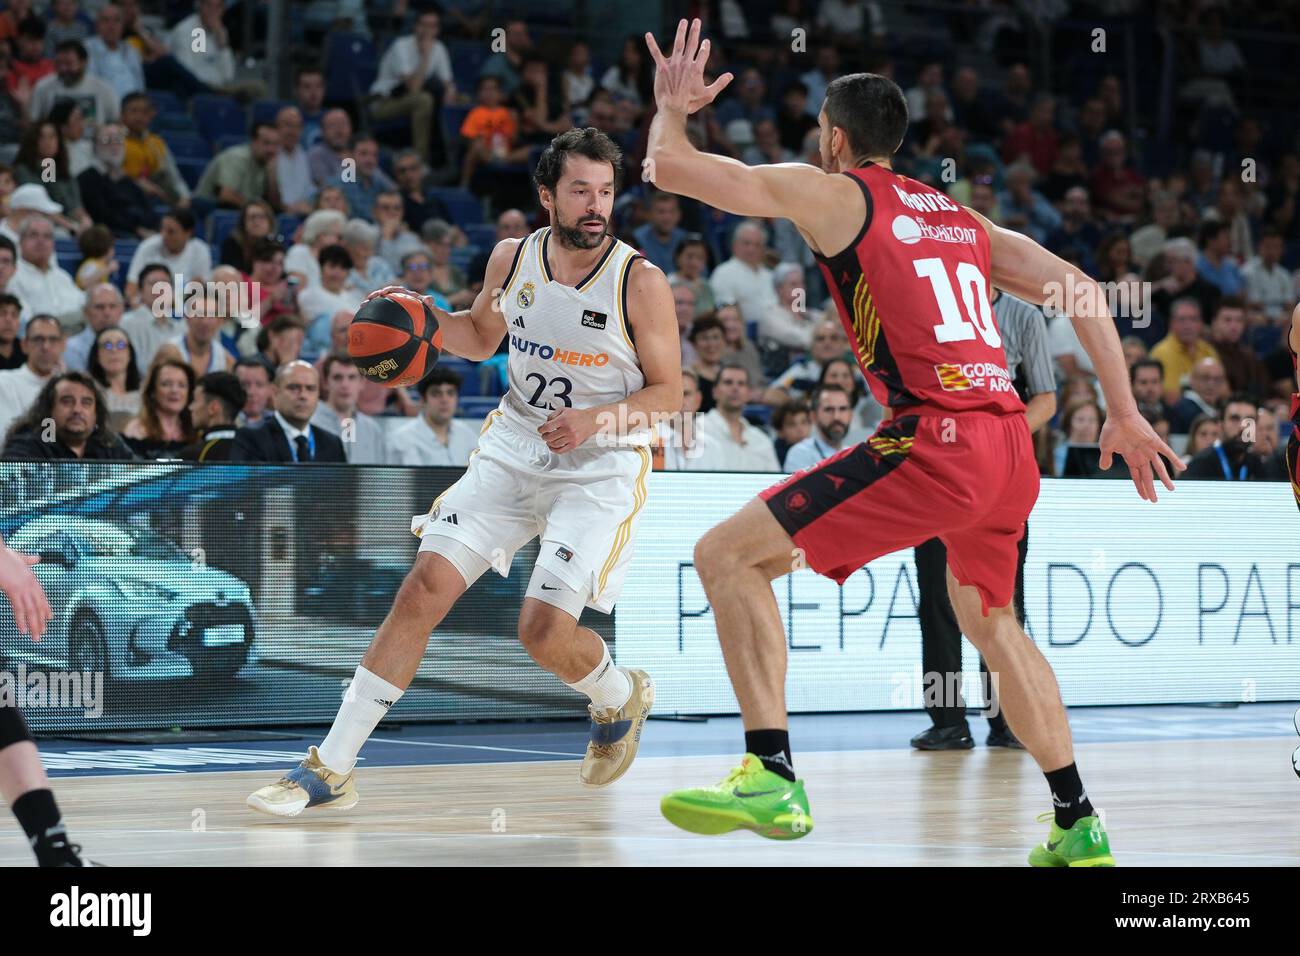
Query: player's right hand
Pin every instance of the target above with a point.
(26, 596)
(1131, 436)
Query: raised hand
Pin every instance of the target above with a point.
(679, 78)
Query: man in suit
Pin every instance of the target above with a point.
(288, 435)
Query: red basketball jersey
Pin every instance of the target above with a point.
(913, 293)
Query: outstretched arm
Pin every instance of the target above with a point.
(794, 191)
(1025, 269)
(26, 597)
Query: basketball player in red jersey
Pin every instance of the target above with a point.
(912, 274)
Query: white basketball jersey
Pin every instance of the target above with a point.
(570, 346)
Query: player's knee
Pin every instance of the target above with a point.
(537, 629)
(713, 554)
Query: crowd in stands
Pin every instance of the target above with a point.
(142, 161)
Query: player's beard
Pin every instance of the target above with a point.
(574, 237)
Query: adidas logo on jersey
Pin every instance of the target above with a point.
(519, 322)
(451, 519)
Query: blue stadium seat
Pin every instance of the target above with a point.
(453, 118)
(188, 146)
(217, 116)
(221, 223)
(351, 62)
(758, 412)
(66, 248)
(482, 235)
(463, 258)
(191, 171)
(172, 120)
(465, 208)
(467, 370)
(286, 225)
(467, 58)
(263, 111)
(165, 101)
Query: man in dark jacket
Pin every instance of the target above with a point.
(218, 397)
(288, 435)
(74, 405)
(1232, 457)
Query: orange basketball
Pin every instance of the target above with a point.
(395, 340)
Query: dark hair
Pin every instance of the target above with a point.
(42, 408)
(11, 300)
(871, 110)
(1156, 364)
(182, 217)
(61, 110)
(1229, 302)
(133, 97)
(1237, 398)
(1209, 230)
(96, 368)
(784, 411)
(72, 46)
(306, 71)
(256, 361)
(32, 26)
(1270, 232)
(440, 376)
(857, 388)
(281, 323)
(706, 323)
(331, 360)
(264, 250)
(152, 267)
(695, 239)
(7, 243)
(225, 388)
(148, 414)
(241, 237)
(732, 363)
(589, 142)
(42, 317)
(95, 242)
(28, 152)
(259, 126)
(335, 255)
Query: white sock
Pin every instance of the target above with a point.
(607, 685)
(365, 703)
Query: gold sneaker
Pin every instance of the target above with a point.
(310, 785)
(616, 733)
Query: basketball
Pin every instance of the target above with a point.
(395, 340)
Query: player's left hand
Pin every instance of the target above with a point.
(567, 428)
(679, 79)
(1131, 436)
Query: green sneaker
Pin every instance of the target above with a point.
(1084, 844)
(750, 798)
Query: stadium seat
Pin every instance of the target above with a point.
(475, 406)
(172, 120)
(463, 258)
(351, 62)
(286, 225)
(221, 223)
(467, 370)
(217, 116)
(165, 101)
(263, 111)
(188, 146)
(464, 206)
(482, 235)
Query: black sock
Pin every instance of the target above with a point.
(40, 819)
(1068, 799)
(773, 748)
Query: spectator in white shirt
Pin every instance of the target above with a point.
(43, 343)
(369, 271)
(415, 80)
(743, 279)
(832, 416)
(213, 64)
(112, 59)
(103, 310)
(40, 284)
(292, 171)
(71, 80)
(1268, 284)
(152, 323)
(176, 247)
(362, 436)
(435, 436)
(741, 446)
(685, 447)
(322, 228)
(788, 322)
(576, 82)
(334, 294)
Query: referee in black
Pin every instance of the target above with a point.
(1024, 337)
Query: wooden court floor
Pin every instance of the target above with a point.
(1204, 803)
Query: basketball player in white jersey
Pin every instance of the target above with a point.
(594, 363)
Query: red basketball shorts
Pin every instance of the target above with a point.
(968, 479)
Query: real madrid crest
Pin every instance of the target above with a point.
(525, 297)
